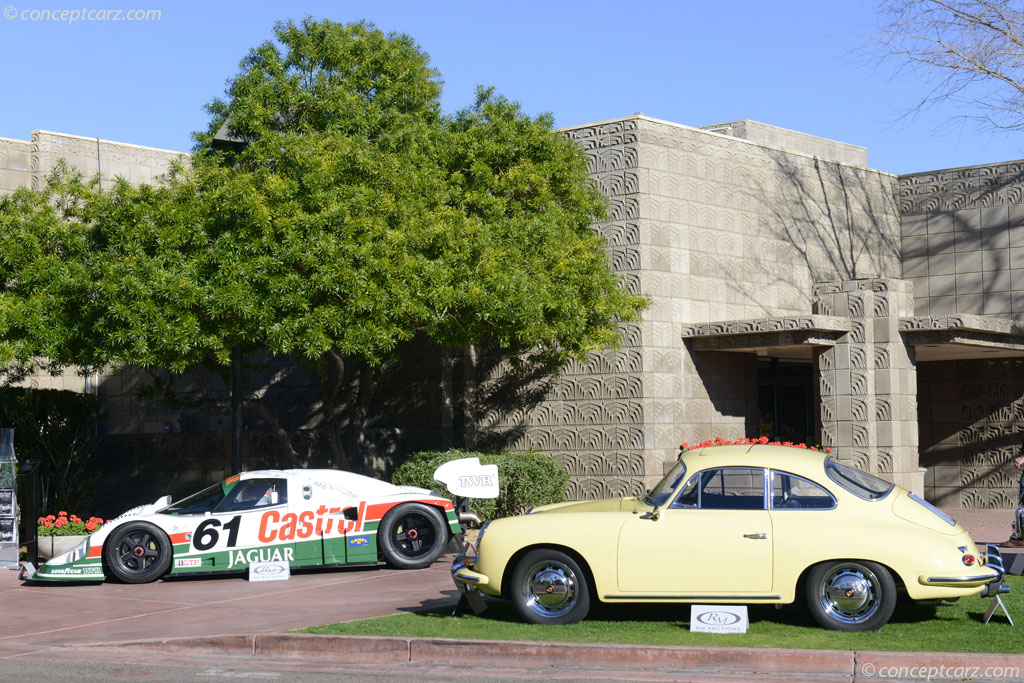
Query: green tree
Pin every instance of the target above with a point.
(351, 215)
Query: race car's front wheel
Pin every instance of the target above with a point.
(412, 535)
(138, 552)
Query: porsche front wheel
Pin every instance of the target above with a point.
(412, 535)
(138, 552)
(548, 587)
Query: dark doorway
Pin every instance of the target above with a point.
(785, 399)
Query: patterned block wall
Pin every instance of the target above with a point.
(595, 415)
(15, 165)
(963, 248)
(972, 425)
(867, 381)
(736, 229)
(963, 239)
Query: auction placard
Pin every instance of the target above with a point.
(269, 571)
(718, 618)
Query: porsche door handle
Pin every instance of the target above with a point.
(758, 536)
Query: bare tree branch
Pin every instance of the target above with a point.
(972, 51)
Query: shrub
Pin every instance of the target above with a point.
(63, 524)
(525, 479)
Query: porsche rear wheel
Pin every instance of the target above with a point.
(138, 552)
(548, 587)
(851, 595)
(412, 535)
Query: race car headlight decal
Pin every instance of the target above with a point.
(73, 555)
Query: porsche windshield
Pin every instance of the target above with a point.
(663, 491)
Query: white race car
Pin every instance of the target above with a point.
(306, 518)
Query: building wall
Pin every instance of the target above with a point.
(711, 227)
(963, 249)
(15, 164)
(963, 239)
(971, 414)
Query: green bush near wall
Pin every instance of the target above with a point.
(525, 479)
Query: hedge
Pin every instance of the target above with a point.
(525, 479)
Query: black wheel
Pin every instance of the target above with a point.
(412, 535)
(138, 552)
(548, 587)
(851, 595)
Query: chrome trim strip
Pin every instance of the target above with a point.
(955, 580)
(692, 597)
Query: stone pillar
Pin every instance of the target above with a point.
(868, 380)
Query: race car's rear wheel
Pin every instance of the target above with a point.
(412, 535)
(138, 552)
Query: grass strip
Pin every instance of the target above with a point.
(946, 627)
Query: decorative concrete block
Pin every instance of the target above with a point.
(940, 222)
(994, 217)
(968, 241)
(995, 238)
(965, 283)
(969, 262)
(942, 243)
(967, 303)
(941, 264)
(996, 281)
(997, 303)
(918, 225)
(968, 219)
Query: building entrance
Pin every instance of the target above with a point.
(785, 399)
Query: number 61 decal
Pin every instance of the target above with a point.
(206, 534)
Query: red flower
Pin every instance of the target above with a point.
(90, 526)
(62, 513)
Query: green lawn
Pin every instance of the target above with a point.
(948, 627)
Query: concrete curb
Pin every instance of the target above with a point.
(579, 657)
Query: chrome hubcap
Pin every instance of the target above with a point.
(850, 594)
(549, 589)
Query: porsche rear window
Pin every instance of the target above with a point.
(860, 484)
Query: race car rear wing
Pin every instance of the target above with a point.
(466, 478)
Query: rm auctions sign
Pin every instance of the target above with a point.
(718, 618)
(269, 571)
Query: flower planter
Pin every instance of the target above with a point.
(51, 546)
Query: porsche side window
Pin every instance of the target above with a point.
(790, 492)
(858, 483)
(732, 488)
(688, 497)
(252, 494)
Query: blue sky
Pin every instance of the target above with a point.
(788, 63)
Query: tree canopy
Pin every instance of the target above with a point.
(348, 215)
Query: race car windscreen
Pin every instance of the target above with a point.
(198, 503)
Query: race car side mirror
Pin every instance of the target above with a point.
(163, 502)
(467, 477)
